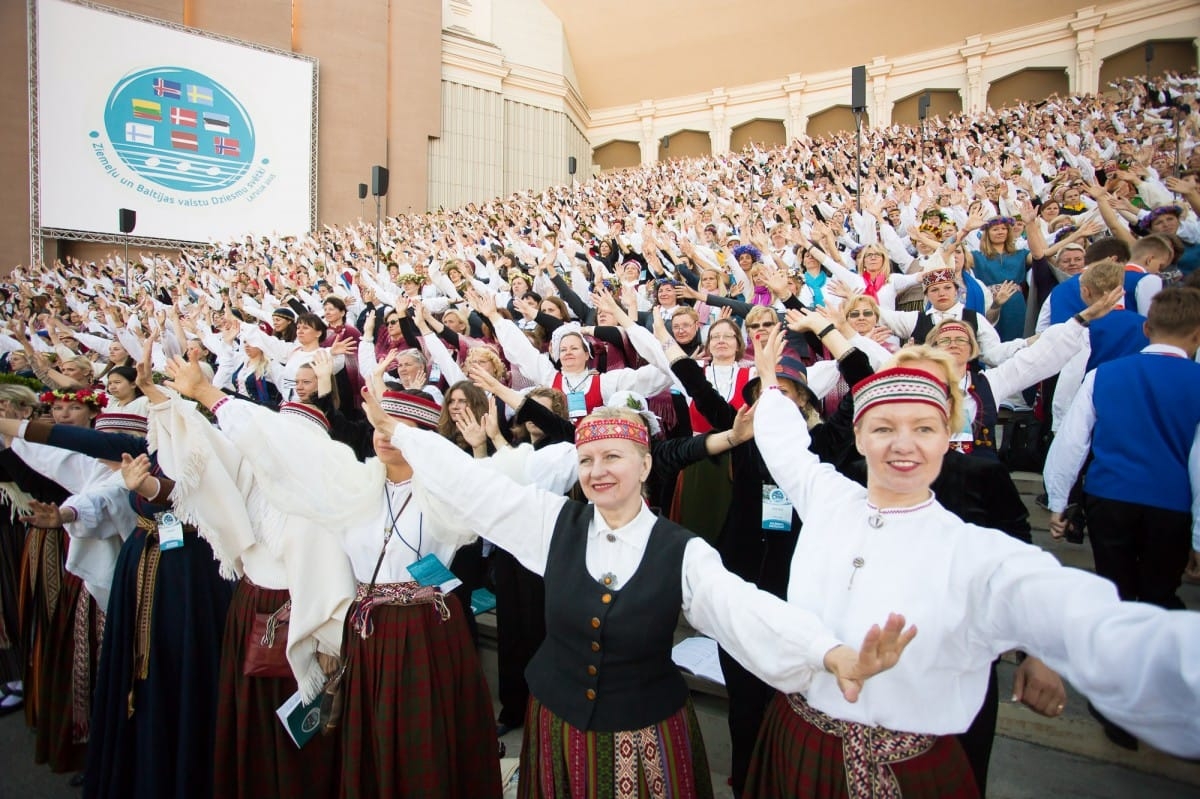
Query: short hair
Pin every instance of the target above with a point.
(947, 373)
(740, 339)
(1107, 247)
(1101, 278)
(313, 321)
(1153, 244)
(336, 302)
(856, 300)
(686, 311)
(21, 396)
(759, 311)
(1174, 312)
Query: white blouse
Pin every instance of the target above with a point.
(780, 643)
(973, 593)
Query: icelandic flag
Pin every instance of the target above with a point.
(147, 109)
(224, 146)
(182, 140)
(199, 95)
(217, 123)
(183, 116)
(167, 88)
(139, 134)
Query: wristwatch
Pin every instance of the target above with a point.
(1082, 320)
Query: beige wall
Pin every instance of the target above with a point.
(942, 103)
(1174, 55)
(379, 94)
(834, 120)
(1028, 84)
(763, 132)
(617, 155)
(686, 144)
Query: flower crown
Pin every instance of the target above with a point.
(84, 396)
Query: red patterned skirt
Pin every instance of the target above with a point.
(666, 760)
(798, 754)
(418, 714)
(254, 757)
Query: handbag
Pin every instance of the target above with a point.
(266, 647)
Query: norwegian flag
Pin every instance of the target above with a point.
(222, 145)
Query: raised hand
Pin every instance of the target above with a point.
(134, 471)
(881, 650)
(186, 377)
(472, 431)
(345, 346)
(322, 363)
(45, 515)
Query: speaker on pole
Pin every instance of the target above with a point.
(1149, 55)
(379, 180)
(858, 88)
(362, 191)
(572, 165)
(923, 106)
(665, 142)
(126, 219)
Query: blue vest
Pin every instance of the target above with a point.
(1190, 259)
(1115, 335)
(1132, 278)
(1066, 301)
(1146, 417)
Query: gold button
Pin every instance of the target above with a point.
(608, 581)
(591, 695)
(591, 671)
(595, 623)
(606, 598)
(595, 646)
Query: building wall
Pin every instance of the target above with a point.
(763, 132)
(942, 103)
(617, 155)
(1178, 55)
(1028, 85)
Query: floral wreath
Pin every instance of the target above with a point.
(84, 396)
(411, 277)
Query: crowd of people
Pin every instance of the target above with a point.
(763, 390)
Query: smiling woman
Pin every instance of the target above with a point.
(602, 682)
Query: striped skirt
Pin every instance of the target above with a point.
(254, 755)
(665, 761)
(418, 714)
(797, 755)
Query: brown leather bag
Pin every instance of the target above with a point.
(266, 645)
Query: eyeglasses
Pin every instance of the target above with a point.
(859, 314)
(957, 342)
(761, 325)
(723, 337)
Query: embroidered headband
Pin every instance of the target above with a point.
(307, 412)
(932, 277)
(900, 384)
(85, 396)
(956, 327)
(425, 412)
(122, 422)
(593, 429)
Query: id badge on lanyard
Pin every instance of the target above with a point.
(576, 404)
(430, 570)
(776, 509)
(170, 531)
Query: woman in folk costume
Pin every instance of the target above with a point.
(408, 661)
(295, 581)
(984, 388)
(584, 388)
(16, 402)
(975, 593)
(50, 602)
(609, 713)
(156, 686)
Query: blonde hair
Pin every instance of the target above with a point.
(759, 311)
(946, 372)
(485, 353)
(861, 299)
(876, 249)
(986, 247)
(18, 395)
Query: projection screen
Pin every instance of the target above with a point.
(204, 137)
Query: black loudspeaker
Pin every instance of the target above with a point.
(923, 106)
(666, 142)
(379, 180)
(858, 88)
(126, 219)
(362, 191)
(572, 165)
(1149, 52)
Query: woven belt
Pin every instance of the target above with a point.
(867, 752)
(393, 594)
(143, 613)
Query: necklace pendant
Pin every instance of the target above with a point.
(858, 563)
(875, 520)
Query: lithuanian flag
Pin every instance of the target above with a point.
(147, 109)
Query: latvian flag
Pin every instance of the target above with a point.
(183, 116)
(226, 146)
(181, 140)
(167, 88)
(216, 123)
(147, 109)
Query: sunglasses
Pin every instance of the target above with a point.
(761, 325)
(859, 314)
(393, 321)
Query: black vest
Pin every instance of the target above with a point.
(605, 664)
(925, 324)
(986, 414)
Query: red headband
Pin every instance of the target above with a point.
(594, 429)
